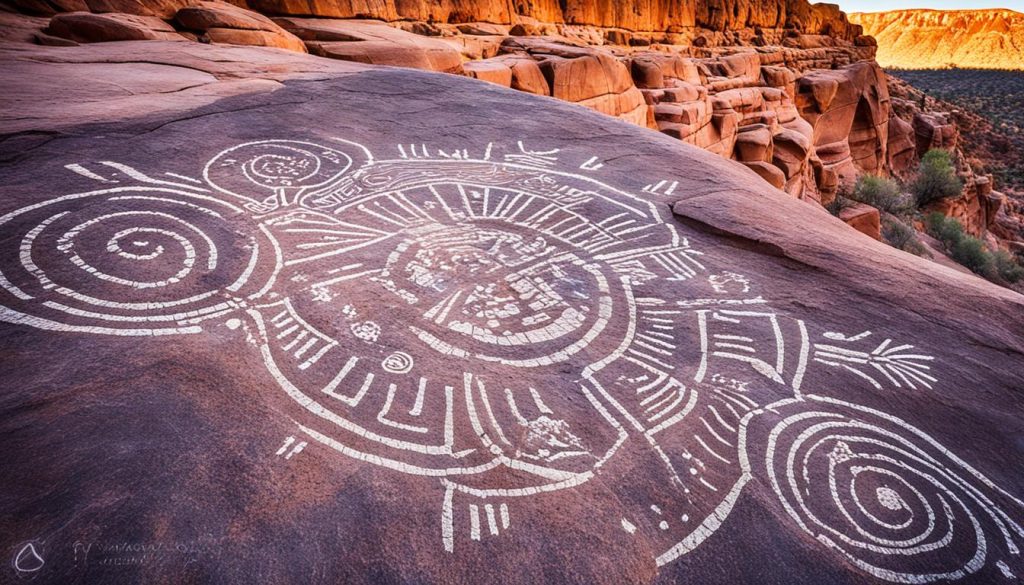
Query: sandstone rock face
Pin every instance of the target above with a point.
(863, 218)
(741, 103)
(663, 16)
(160, 8)
(591, 78)
(849, 111)
(406, 327)
(934, 130)
(926, 39)
(220, 22)
(87, 27)
(103, 82)
(373, 43)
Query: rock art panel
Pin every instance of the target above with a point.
(489, 321)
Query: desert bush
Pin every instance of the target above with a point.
(839, 204)
(964, 249)
(1007, 266)
(971, 253)
(936, 178)
(881, 193)
(945, 229)
(900, 235)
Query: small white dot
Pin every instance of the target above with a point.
(693, 471)
(233, 324)
(685, 518)
(663, 525)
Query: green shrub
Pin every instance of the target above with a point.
(936, 178)
(900, 235)
(881, 193)
(971, 253)
(945, 229)
(1007, 266)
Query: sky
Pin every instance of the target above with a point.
(880, 5)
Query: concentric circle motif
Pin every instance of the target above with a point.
(130, 261)
(895, 503)
(269, 173)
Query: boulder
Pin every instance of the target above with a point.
(791, 151)
(221, 22)
(373, 43)
(526, 75)
(767, 171)
(493, 70)
(754, 144)
(934, 130)
(87, 27)
(164, 9)
(863, 218)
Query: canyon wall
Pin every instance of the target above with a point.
(932, 39)
(672, 16)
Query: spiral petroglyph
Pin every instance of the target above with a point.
(145, 260)
(885, 495)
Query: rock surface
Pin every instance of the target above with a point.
(362, 329)
(936, 39)
(373, 43)
(220, 22)
(86, 27)
(662, 16)
(105, 82)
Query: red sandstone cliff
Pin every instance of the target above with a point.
(675, 16)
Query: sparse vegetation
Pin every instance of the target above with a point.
(995, 96)
(881, 193)
(936, 178)
(999, 266)
(1008, 268)
(839, 204)
(842, 200)
(945, 230)
(900, 235)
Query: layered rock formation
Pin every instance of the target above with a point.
(935, 39)
(789, 90)
(678, 17)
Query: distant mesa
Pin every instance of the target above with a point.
(938, 39)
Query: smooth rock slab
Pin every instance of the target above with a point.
(351, 331)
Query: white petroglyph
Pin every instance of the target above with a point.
(384, 295)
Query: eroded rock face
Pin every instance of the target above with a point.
(448, 343)
(664, 16)
(160, 8)
(373, 43)
(849, 111)
(221, 22)
(87, 27)
(591, 78)
(741, 104)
